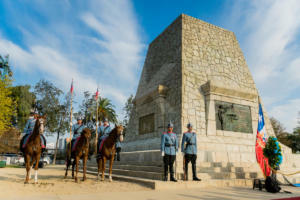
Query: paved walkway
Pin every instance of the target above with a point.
(194, 194)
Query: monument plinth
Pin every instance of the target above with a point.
(196, 72)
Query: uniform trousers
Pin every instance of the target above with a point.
(190, 158)
(168, 163)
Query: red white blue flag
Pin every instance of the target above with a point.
(72, 88)
(261, 139)
(97, 94)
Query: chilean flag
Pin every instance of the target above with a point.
(261, 139)
(72, 88)
(96, 95)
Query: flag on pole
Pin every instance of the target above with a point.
(97, 94)
(261, 139)
(71, 90)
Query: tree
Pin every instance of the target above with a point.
(294, 139)
(25, 102)
(106, 110)
(280, 132)
(88, 110)
(7, 105)
(47, 102)
(63, 124)
(128, 109)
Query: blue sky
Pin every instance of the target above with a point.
(104, 43)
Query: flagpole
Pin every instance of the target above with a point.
(71, 111)
(96, 138)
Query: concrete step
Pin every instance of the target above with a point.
(132, 173)
(161, 185)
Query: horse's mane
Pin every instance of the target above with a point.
(85, 130)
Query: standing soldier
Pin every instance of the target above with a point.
(189, 151)
(169, 148)
(118, 150)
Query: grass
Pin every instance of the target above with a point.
(14, 166)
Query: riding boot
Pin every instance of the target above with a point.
(186, 169)
(165, 172)
(195, 178)
(172, 178)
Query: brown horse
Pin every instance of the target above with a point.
(33, 149)
(108, 151)
(81, 151)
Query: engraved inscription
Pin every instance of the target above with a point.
(146, 124)
(233, 117)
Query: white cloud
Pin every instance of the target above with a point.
(96, 43)
(270, 39)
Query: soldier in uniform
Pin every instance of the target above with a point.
(103, 132)
(118, 150)
(169, 148)
(189, 151)
(76, 130)
(29, 126)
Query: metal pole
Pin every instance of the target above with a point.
(71, 111)
(96, 138)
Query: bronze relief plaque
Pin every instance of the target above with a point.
(233, 117)
(146, 124)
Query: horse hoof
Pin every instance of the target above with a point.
(110, 180)
(76, 180)
(26, 182)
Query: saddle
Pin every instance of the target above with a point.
(101, 145)
(74, 144)
(25, 140)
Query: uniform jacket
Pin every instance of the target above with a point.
(169, 143)
(189, 143)
(29, 125)
(103, 131)
(76, 130)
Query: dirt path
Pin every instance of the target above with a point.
(51, 182)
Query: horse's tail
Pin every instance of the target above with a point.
(68, 152)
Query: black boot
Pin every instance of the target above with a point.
(165, 178)
(186, 175)
(172, 178)
(195, 178)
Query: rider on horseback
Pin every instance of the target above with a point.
(103, 132)
(28, 130)
(76, 130)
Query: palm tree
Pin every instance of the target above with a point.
(106, 110)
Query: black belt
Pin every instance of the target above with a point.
(169, 145)
(190, 144)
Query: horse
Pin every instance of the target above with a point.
(33, 149)
(108, 150)
(81, 150)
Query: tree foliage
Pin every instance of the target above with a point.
(7, 104)
(25, 102)
(48, 102)
(280, 132)
(128, 109)
(88, 109)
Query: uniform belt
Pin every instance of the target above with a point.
(190, 144)
(169, 145)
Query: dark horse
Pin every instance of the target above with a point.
(108, 150)
(81, 151)
(33, 149)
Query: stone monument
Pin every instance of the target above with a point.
(196, 72)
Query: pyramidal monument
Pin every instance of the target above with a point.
(196, 72)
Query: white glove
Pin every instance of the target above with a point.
(71, 123)
(163, 153)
